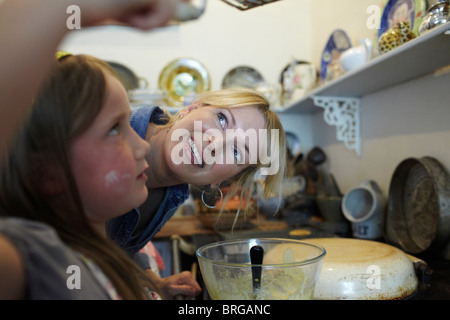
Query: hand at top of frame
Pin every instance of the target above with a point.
(141, 14)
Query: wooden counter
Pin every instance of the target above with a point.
(190, 225)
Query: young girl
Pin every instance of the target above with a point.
(74, 164)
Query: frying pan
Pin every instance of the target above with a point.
(418, 210)
(358, 269)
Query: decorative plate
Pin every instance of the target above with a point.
(243, 76)
(126, 76)
(338, 42)
(402, 10)
(183, 79)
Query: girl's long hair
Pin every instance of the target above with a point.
(65, 106)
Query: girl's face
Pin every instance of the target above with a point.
(210, 145)
(108, 160)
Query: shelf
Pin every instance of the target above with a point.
(411, 60)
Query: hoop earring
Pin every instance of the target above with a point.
(209, 206)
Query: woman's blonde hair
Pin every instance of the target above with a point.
(65, 106)
(245, 180)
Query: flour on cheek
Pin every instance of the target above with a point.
(116, 181)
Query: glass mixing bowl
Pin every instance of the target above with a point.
(290, 269)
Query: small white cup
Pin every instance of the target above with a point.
(357, 56)
(363, 206)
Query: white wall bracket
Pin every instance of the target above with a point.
(344, 113)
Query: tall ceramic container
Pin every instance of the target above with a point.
(363, 206)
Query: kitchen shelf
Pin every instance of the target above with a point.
(411, 60)
(341, 97)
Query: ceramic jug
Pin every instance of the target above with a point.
(305, 79)
(364, 206)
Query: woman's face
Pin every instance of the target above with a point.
(210, 145)
(108, 160)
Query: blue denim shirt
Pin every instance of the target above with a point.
(121, 229)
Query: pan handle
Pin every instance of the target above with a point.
(423, 271)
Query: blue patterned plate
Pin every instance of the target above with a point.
(402, 10)
(337, 43)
